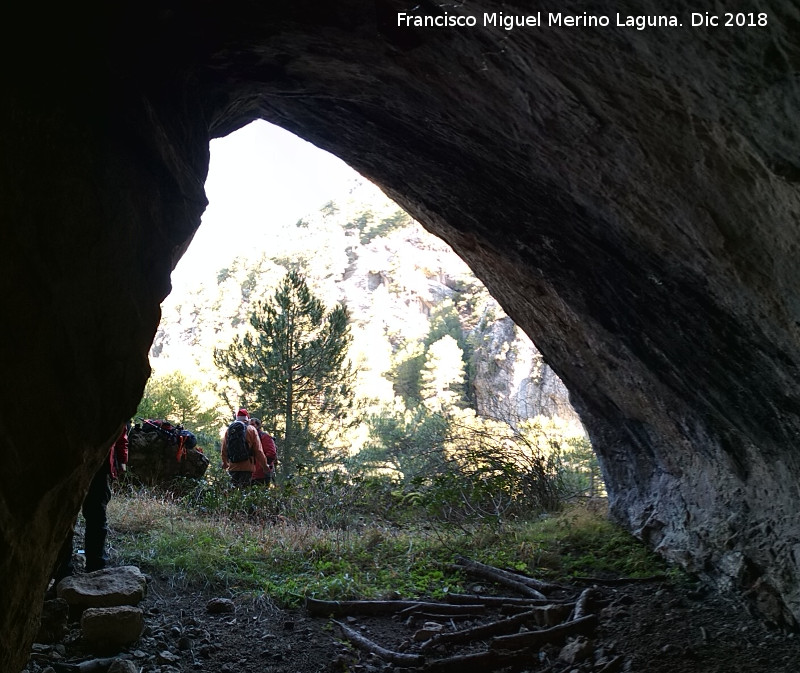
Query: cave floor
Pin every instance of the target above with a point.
(643, 628)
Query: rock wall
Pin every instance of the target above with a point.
(629, 196)
(512, 380)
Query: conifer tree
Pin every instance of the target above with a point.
(293, 371)
(443, 375)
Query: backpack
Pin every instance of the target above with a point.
(236, 443)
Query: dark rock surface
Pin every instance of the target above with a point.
(630, 197)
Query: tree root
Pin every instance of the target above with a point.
(367, 645)
(318, 608)
(555, 635)
(527, 586)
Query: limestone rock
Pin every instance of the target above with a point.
(124, 585)
(428, 631)
(112, 627)
(576, 650)
(123, 666)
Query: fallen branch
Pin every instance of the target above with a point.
(481, 632)
(318, 608)
(498, 601)
(444, 608)
(555, 635)
(499, 576)
(89, 666)
(439, 616)
(550, 612)
(367, 645)
(532, 582)
(479, 662)
(612, 666)
(587, 598)
(620, 581)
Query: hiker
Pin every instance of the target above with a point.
(94, 507)
(265, 475)
(241, 450)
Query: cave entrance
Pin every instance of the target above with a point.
(427, 337)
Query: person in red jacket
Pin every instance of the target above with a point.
(242, 471)
(265, 475)
(94, 507)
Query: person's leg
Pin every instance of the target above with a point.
(94, 512)
(241, 479)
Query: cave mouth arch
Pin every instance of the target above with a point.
(265, 187)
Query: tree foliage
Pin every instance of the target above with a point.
(172, 397)
(293, 370)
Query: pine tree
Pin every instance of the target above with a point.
(293, 371)
(443, 375)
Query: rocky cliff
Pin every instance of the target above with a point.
(628, 193)
(395, 278)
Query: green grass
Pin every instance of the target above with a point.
(327, 556)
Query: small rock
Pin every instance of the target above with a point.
(166, 657)
(123, 666)
(119, 625)
(576, 650)
(428, 631)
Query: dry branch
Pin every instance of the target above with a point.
(555, 635)
(367, 645)
(481, 632)
(439, 616)
(620, 581)
(317, 608)
(532, 582)
(499, 601)
(89, 666)
(499, 576)
(585, 600)
(612, 666)
(479, 662)
(444, 609)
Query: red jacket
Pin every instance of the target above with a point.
(270, 453)
(118, 455)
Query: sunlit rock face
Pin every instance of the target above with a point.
(630, 196)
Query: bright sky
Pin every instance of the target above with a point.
(259, 177)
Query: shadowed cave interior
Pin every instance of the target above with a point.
(630, 197)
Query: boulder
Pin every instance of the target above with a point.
(110, 628)
(124, 585)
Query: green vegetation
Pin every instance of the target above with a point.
(293, 371)
(171, 397)
(331, 538)
(388, 470)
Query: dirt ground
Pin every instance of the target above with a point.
(643, 628)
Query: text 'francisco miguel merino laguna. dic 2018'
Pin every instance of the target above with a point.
(585, 20)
